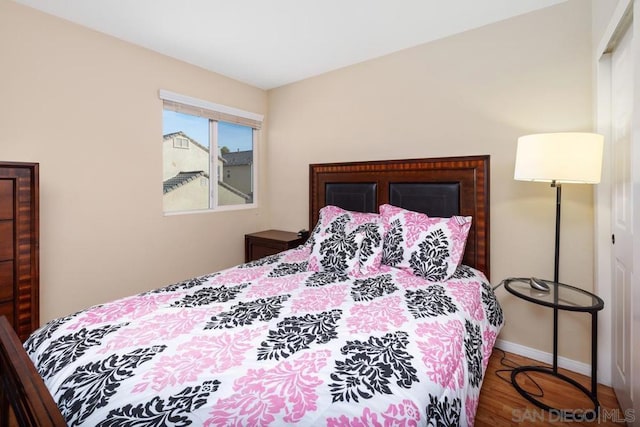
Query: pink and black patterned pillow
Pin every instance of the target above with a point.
(431, 248)
(346, 242)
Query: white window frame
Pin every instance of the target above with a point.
(224, 111)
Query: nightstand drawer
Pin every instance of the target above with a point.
(269, 242)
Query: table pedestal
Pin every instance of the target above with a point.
(569, 415)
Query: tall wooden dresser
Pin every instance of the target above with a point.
(19, 246)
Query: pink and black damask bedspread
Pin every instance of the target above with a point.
(270, 343)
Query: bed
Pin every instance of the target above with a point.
(385, 316)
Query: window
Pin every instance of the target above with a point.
(180, 142)
(209, 155)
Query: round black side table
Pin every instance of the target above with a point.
(560, 297)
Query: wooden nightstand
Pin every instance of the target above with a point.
(269, 242)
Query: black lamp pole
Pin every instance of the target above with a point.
(556, 265)
(555, 276)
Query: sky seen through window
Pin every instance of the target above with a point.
(235, 137)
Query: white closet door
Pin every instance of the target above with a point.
(622, 216)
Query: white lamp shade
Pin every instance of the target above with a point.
(566, 157)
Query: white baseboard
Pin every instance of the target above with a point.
(543, 356)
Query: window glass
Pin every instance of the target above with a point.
(206, 163)
(235, 144)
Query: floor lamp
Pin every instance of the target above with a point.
(559, 158)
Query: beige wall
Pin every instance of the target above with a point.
(86, 107)
(473, 93)
(602, 11)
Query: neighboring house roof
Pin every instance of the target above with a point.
(234, 190)
(181, 179)
(184, 135)
(238, 158)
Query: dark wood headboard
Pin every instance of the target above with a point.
(439, 187)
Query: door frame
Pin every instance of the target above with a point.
(618, 23)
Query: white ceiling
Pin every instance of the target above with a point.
(270, 43)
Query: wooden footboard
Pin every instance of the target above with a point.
(24, 399)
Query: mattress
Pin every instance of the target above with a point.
(273, 342)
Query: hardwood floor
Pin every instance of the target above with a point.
(501, 405)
